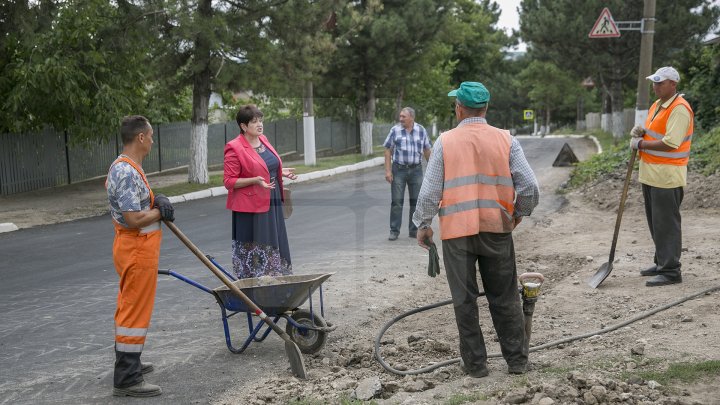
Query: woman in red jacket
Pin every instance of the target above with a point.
(253, 175)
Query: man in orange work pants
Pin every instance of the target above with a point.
(136, 213)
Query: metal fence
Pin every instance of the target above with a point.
(49, 158)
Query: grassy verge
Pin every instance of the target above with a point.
(325, 163)
(705, 157)
(683, 372)
(614, 156)
(458, 399)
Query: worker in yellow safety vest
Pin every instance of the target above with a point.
(664, 147)
(480, 184)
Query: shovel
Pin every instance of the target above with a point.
(291, 349)
(606, 268)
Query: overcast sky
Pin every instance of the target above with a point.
(509, 17)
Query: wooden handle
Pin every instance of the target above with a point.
(621, 207)
(225, 280)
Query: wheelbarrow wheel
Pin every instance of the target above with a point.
(309, 341)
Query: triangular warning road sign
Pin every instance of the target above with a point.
(566, 157)
(604, 26)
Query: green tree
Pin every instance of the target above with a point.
(382, 43)
(557, 31)
(302, 45)
(207, 46)
(76, 65)
(549, 87)
(702, 65)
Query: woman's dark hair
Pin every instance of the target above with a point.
(246, 114)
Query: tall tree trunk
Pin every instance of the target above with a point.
(618, 119)
(198, 168)
(308, 125)
(367, 115)
(399, 102)
(606, 118)
(547, 121)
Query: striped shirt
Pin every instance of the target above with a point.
(527, 193)
(407, 147)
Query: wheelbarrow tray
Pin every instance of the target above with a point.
(274, 295)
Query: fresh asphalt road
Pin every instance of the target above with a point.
(58, 290)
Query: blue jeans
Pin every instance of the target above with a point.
(402, 175)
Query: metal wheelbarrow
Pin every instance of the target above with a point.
(279, 297)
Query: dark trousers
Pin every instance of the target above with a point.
(662, 208)
(494, 256)
(412, 177)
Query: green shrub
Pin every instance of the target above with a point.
(612, 159)
(705, 153)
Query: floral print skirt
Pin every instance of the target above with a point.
(260, 244)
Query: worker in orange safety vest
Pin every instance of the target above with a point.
(136, 214)
(664, 147)
(480, 184)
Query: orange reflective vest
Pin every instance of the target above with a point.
(478, 190)
(655, 130)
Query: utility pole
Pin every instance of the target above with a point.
(646, 51)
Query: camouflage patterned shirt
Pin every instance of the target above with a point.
(126, 191)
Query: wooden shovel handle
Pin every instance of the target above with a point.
(225, 280)
(621, 207)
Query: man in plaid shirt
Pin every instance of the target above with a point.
(405, 145)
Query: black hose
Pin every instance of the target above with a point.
(532, 349)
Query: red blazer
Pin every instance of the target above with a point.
(242, 161)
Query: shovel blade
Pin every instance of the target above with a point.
(297, 365)
(600, 275)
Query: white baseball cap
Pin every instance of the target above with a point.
(665, 73)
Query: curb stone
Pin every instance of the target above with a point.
(217, 191)
(8, 227)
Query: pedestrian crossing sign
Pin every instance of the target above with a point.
(604, 26)
(528, 115)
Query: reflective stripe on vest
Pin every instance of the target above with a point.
(655, 129)
(471, 205)
(478, 191)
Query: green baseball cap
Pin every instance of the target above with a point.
(471, 94)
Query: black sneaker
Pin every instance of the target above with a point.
(413, 234)
(393, 236)
(519, 369)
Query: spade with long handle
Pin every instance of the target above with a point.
(607, 267)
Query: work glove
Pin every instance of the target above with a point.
(434, 262)
(635, 143)
(162, 203)
(637, 131)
